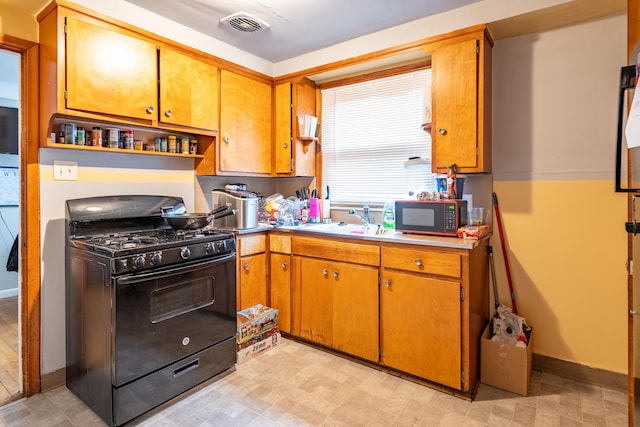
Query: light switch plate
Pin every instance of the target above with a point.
(65, 171)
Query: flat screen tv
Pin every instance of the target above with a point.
(8, 130)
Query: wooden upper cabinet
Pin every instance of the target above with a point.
(293, 156)
(109, 73)
(245, 125)
(461, 93)
(188, 91)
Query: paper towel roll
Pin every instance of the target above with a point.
(325, 208)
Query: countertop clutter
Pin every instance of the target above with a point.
(370, 232)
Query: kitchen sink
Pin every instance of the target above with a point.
(348, 229)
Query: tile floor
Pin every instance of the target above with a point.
(298, 385)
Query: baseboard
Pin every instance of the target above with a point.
(9, 293)
(577, 372)
(53, 379)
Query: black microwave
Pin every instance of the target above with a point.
(437, 217)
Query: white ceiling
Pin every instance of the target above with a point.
(297, 27)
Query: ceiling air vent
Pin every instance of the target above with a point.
(244, 22)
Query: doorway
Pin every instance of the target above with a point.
(10, 372)
(28, 305)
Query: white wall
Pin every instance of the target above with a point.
(554, 128)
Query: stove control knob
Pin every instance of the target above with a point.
(156, 258)
(185, 253)
(138, 261)
(209, 249)
(221, 246)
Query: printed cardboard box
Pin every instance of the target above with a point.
(258, 348)
(505, 366)
(254, 321)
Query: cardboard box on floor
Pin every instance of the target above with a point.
(505, 366)
(254, 350)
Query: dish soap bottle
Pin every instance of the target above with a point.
(388, 216)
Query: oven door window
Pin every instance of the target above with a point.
(181, 298)
(164, 315)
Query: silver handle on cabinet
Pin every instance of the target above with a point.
(335, 274)
(149, 109)
(442, 131)
(418, 262)
(325, 272)
(387, 283)
(246, 267)
(284, 265)
(167, 113)
(227, 140)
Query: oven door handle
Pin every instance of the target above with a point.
(141, 277)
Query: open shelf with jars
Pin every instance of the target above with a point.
(144, 140)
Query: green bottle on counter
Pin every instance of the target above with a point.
(388, 216)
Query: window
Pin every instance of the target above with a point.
(369, 130)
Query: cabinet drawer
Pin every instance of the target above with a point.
(279, 243)
(253, 244)
(422, 261)
(336, 250)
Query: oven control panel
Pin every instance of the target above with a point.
(173, 255)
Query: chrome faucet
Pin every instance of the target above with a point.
(366, 219)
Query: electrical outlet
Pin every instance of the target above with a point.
(65, 171)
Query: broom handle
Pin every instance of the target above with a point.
(514, 307)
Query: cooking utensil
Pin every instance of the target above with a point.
(194, 221)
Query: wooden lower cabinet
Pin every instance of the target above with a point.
(252, 271)
(417, 309)
(280, 269)
(420, 326)
(339, 305)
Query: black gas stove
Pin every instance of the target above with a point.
(150, 311)
(136, 237)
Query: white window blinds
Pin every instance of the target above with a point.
(369, 130)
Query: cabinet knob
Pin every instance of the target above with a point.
(149, 109)
(387, 283)
(284, 265)
(325, 271)
(442, 131)
(633, 312)
(335, 274)
(167, 113)
(285, 145)
(227, 140)
(418, 262)
(246, 267)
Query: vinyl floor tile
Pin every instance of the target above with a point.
(298, 385)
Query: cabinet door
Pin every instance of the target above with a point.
(188, 91)
(281, 289)
(283, 136)
(110, 73)
(245, 124)
(293, 155)
(355, 309)
(455, 106)
(253, 281)
(316, 300)
(420, 327)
